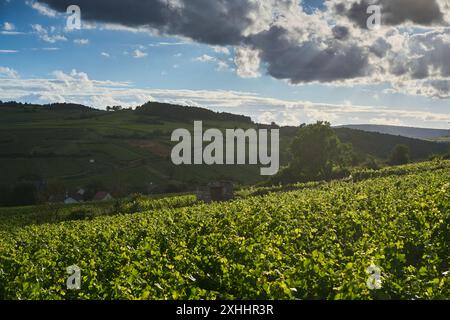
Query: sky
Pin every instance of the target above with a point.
(287, 61)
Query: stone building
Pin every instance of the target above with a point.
(216, 192)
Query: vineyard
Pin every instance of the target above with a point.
(314, 241)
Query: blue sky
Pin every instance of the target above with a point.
(35, 46)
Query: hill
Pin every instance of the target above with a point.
(380, 145)
(409, 132)
(128, 151)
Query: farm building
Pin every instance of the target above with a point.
(215, 192)
(102, 196)
(73, 198)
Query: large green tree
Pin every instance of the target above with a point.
(316, 151)
(400, 155)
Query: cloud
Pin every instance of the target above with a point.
(42, 9)
(138, 54)
(279, 38)
(221, 65)
(8, 51)
(8, 73)
(274, 28)
(221, 50)
(247, 62)
(205, 58)
(10, 33)
(50, 49)
(308, 61)
(105, 54)
(9, 29)
(214, 22)
(81, 41)
(394, 12)
(168, 44)
(78, 87)
(8, 26)
(47, 35)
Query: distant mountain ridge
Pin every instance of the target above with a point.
(409, 132)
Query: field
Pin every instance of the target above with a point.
(313, 241)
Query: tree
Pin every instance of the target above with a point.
(54, 191)
(23, 194)
(316, 151)
(5, 193)
(447, 155)
(400, 155)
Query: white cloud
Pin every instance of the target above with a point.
(46, 49)
(10, 33)
(8, 73)
(222, 50)
(81, 41)
(205, 58)
(47, 35)
(9, 29)
(8, 51)
(169, 44)
(8, 26)
(247, 62)
(42, 9)
(105, 54)
(77, 87)
(221, 65)
(138, 54)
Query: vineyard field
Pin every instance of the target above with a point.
(315, 242)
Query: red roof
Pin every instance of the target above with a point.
(100, 195)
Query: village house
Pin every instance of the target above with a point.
(102, 196)
(73, 198)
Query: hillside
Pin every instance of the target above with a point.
(380, 145)
(128, 151)
(409, 132)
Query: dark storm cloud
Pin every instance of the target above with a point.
(223, 22)
(340, 32)
(308, 61)
(380, 47)
(219, 22)
(395, 12)
(283, 49)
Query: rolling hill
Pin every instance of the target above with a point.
(128, 151)
(409, 132)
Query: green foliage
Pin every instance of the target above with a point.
(380, 145)
(183, 114)
(364, 174)
(447, 155)
(400, 155)
(316, 151)
(313, 243)
(14, 218)
(22, 194)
